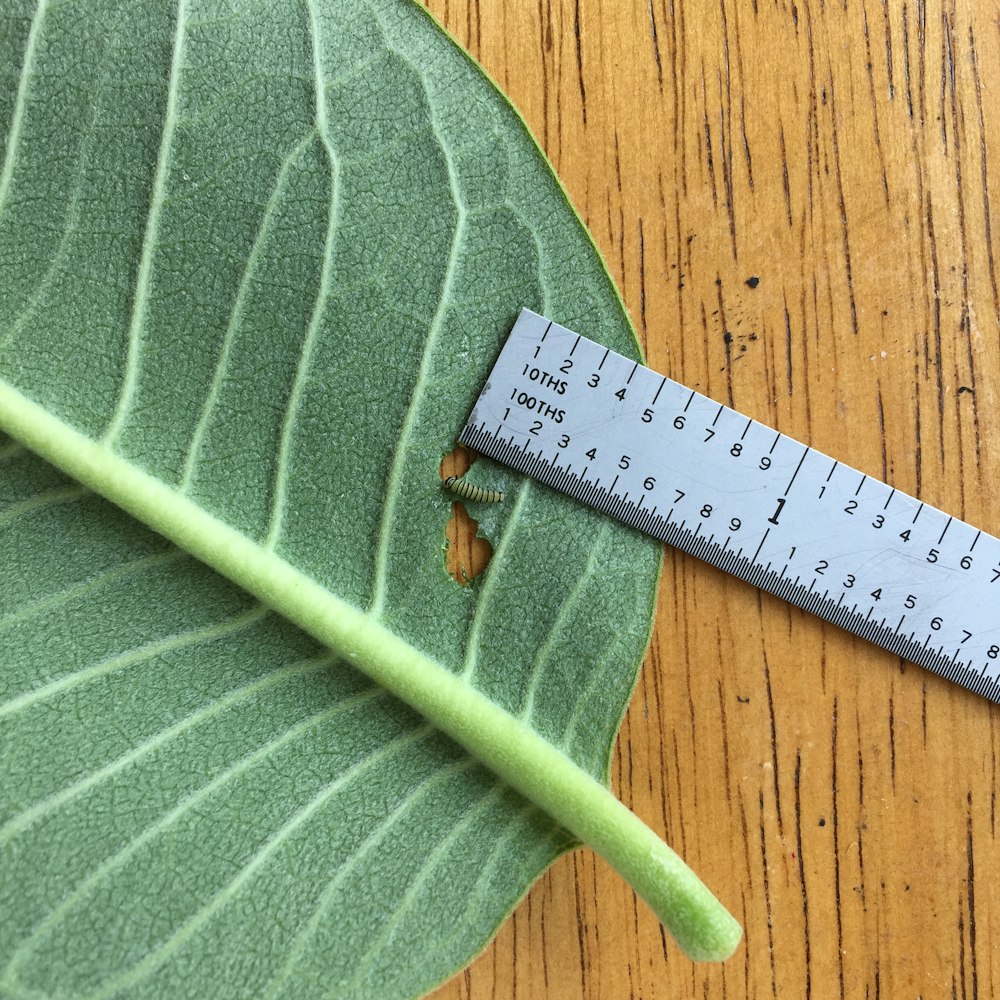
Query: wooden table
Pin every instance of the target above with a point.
(800, 202)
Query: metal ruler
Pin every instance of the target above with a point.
(790, 520)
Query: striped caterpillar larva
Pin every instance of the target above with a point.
(477, 494)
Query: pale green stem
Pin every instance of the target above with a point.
(515, 752)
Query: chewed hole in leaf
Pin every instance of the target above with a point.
(467, 554)
(457, 462)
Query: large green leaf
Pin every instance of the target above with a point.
(255, 262)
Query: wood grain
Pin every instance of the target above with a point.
(847, 155)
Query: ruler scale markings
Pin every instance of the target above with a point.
(737, 493)
(759, 547)
(788, 488)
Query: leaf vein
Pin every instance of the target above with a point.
(61, 494)
(12, 450)
(595, 678)
(366, 959)
(302, 939)
(322, 294)
(393, 486)
(29, 816)
(61, 597)
(220, 898)
(21, 101)
(26, 311)
(143, 278)
(485, 878)
(492, 575)
(118, 859)
(564, 611)
(133, 657)
(236, 314)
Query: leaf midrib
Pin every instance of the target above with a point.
(505, 744)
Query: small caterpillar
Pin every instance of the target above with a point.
(477, 494)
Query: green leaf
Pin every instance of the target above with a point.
(255, 741)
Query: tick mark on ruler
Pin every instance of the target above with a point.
(544, 335)
(719, 414)
(658, 391)
(746, 429)
(832, 471)
(573, 348)
(759, 547)
(631, 373)
(889, 501)
(605, 358)
(690, 398)
(915, 516)
(796, 472)
(775, 445)
(946, 527)
(864, 479)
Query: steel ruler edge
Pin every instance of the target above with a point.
(698, 475)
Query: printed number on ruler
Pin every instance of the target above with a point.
(762, 506)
